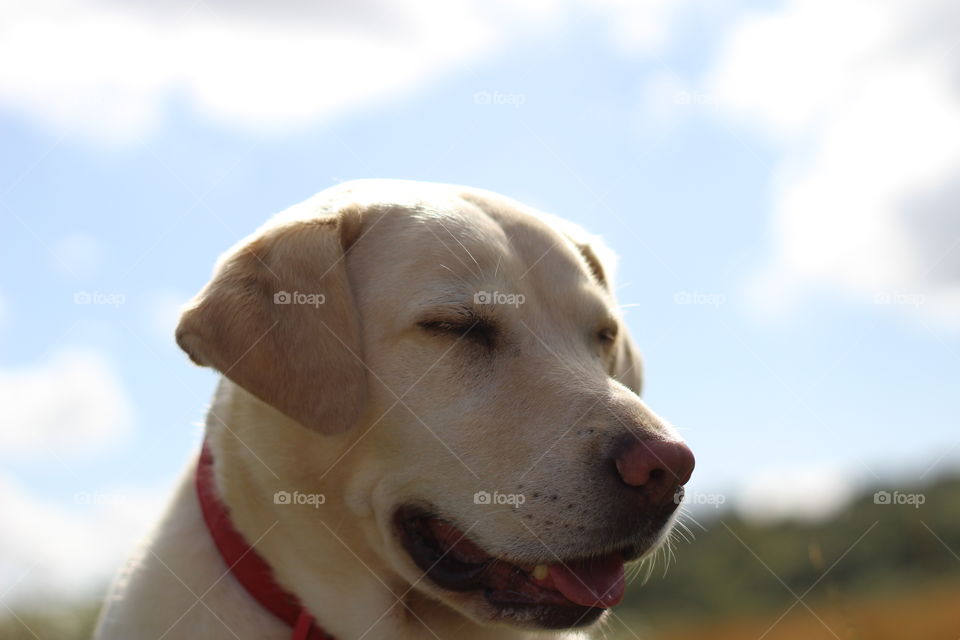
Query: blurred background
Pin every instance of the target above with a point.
(780, 179)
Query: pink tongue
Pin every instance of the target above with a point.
(596, 583)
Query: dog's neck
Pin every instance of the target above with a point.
(243, 560)
(334, 570)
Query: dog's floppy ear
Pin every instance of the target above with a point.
(278, 318)
(628, 365)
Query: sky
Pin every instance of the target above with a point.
(779, 180)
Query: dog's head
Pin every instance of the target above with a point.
(465, 362)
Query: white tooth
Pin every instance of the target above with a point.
(540, 571)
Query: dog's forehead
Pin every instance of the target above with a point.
(546, 244)
(465, 231)
(469, 231)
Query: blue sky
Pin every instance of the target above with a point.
(793, 373)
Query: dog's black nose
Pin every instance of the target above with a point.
(658, 467)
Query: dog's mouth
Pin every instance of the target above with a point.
(560, 594)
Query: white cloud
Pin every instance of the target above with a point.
(639, 27)
(71, 403)
(49, 550)
(108, 69)
(864, 98)
(802, 493)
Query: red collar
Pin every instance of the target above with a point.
(246, 565)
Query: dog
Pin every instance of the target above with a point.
(427, 425)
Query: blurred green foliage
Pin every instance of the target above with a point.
(736, 568)
(49, 623)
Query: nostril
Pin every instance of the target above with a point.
(658, 467)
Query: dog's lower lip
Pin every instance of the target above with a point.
(452, 561)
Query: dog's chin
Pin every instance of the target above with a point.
(565, 593)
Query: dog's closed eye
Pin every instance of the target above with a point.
(607, 336)
(473, 328)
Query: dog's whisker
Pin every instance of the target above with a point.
(696, 522)
(682, 530)
(457, 276)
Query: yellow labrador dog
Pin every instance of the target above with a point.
(427, 426)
